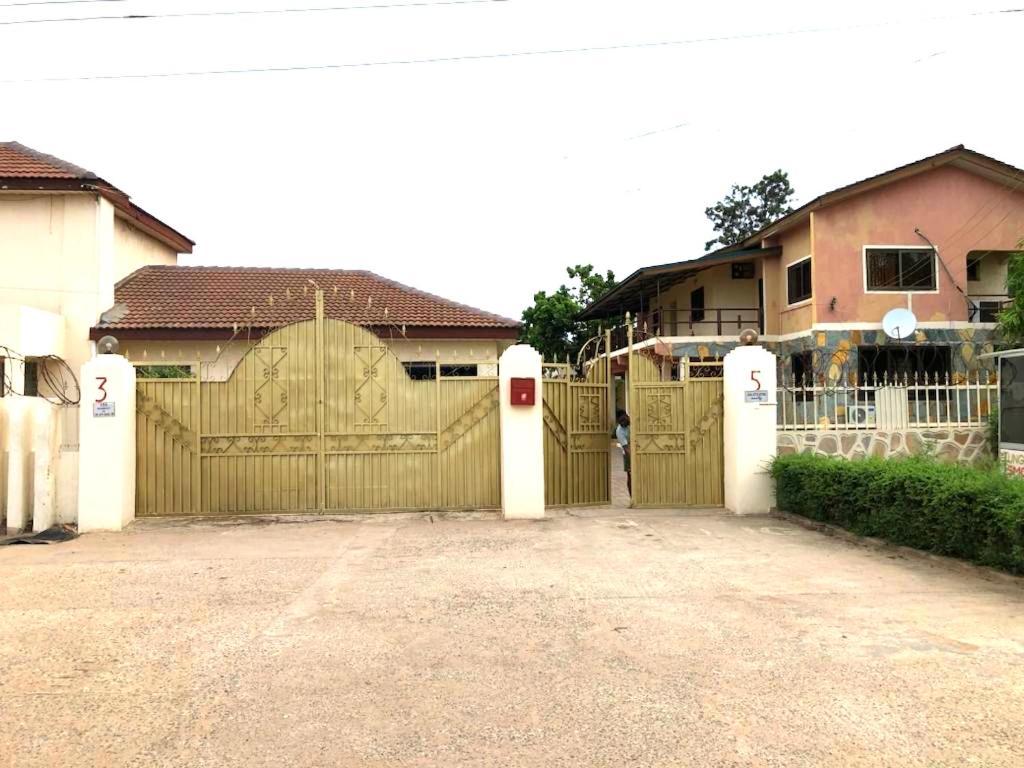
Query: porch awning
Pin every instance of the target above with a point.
(627, 296)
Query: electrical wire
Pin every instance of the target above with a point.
(250, 12)
(54, 372)
(56, 2)
(503, 55)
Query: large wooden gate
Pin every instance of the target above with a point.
(676, 433)
(577, 434)
(317, 416)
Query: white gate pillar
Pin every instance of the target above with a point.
(44, 464)
(750, 441)
(522, 436)
(106, 445)
(17, 445)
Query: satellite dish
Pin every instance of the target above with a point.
(899, 323)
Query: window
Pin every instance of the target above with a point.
(904, 363)
(697, 306)
(743, 271)
(31, 378)
(426, 371)
(803, 368)
(798, 281)
(802, 365)
(900, 269)
(974, 270)
(1011, 397)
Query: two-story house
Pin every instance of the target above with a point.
(933, 237)
(66, 237)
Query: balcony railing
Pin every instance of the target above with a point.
(985, 309)
(690, 322)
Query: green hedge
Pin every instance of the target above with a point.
(973, 514)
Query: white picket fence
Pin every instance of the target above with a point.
(910, 402)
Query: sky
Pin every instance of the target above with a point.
(481, 178)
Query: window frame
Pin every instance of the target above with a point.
(702, 309)
(810, 296)
(890, 291)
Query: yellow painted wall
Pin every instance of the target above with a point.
(220, 359)
(720, 292)
(49, 260)
(796, 245)
(62, 253)
(134, 248)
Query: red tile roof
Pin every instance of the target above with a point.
(20, 162)
(165, 297)
(23, 168)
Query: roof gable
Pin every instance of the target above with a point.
(959, 156)
(24, 168)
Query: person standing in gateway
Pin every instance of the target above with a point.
(622, 435)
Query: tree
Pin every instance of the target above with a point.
(1011, 319)
(745, 210)
(550, 325)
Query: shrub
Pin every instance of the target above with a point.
(952, 510)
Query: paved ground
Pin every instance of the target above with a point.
(636, 639)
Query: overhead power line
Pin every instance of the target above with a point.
(504, 55)
(244, 12)
(56, 2)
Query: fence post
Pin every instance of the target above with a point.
(522, 437)
(750, 440)
(106, 440)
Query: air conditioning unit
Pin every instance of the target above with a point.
(861, 415)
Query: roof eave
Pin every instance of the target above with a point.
(721, 256)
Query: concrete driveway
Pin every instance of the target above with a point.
(611, 640)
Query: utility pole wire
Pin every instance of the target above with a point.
(506, 55)
(243, 12)
(56, 2)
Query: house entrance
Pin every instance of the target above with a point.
(577, 431)
(676, 432)
(321, 416)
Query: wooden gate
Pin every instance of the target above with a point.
(577, 434)
(676, 433)
(317, 416)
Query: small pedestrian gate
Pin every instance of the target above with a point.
(577, 434)
(676, 433)
(317, 416)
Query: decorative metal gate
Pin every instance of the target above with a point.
(676, 433)
(577, 434)
(317, 416)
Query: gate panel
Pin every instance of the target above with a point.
(676, 426)
(318, 415)
(166, 447)
(469, 458)
(577, 435)
(260, 441)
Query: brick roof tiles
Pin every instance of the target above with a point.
(221, 297)
(20, 162)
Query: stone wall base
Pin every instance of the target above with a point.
(964, 446)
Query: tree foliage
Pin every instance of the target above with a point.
(747, 209)
(550, 325)
(1011, 319)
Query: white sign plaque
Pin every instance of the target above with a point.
(106, 408)
(755, 396)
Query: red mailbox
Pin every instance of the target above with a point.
(524, 391)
